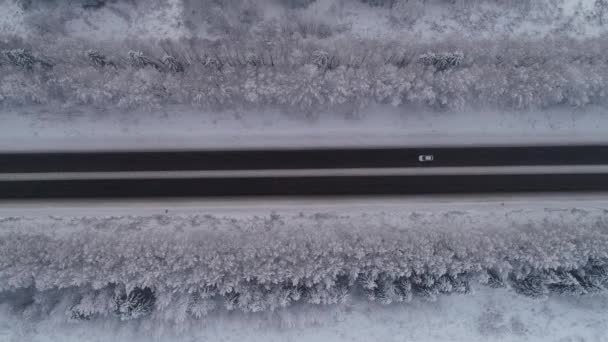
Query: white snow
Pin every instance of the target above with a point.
(120, 20)
(33, 129)
(486, 316)
(11, 20)
(117, 20)
(250, 207)
(161, 19)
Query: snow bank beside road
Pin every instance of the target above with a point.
(34, 129)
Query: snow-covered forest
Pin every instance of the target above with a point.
(361, 271)
(185, 267)
(304, 56)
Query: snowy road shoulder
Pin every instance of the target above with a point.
(28, 129)
(252, 206)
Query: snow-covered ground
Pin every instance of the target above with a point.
(34, 130)
(434, 19)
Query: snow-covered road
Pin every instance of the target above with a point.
(290, 205)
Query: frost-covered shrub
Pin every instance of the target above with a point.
(253, 59)
(135, 304)
(93, 4)
(601, 11)
(139, 60)
(21, 58)
(173, 64)
(307, 76)
(87, 304)
(310, 28)
(442, 61)
(323, 60)
(530, 286)
(98, 59)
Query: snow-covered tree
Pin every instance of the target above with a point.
(601, 11)
(186, 267)
(173, 64)
(139, 60)
(442, 61)
(98, 59)
(21, 58)
(136, 303)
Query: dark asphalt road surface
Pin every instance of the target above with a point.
(302, 159)
(304, 186)
(462, 158)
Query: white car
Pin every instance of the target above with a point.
(426, 158)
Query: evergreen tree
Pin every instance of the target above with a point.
(135, 304)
